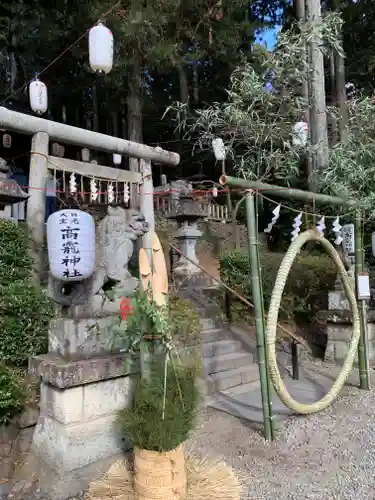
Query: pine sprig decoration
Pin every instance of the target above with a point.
(146, 321)
(142, 421)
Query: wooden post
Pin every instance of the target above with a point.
(36, 205)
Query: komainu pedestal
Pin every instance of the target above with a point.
(85, 378)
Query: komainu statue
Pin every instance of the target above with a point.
(116, 235)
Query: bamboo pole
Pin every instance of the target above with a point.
(363, 361)
(269, 383)
(259, 319)
(284, 192)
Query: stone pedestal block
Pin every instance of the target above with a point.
(339, 331)
(79, 405)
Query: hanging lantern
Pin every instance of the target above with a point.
(71, 245)
(117, 159)
(61, 151)
(85, 154)
(7, 141)
(101, 48)
(219, 149)
(300, 134)
(55, 149)
(38, 97)
(214, 192)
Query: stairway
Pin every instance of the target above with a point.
(232, 379)
(229, 365)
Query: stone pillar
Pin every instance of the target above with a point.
(187, 236)
(36, 205)
(147, 201)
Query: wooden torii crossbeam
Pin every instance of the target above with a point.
(43, 131)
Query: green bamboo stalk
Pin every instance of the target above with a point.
(269, 383)
(284, 192)
(363, 360)
(259, 318)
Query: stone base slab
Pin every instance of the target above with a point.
(56, 484)
(62, 373)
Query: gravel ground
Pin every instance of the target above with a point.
(326, 456)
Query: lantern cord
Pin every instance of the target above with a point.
(103, 16)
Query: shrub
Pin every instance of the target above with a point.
(11, 396)
(25, 310)
(184, 320)
(143, 421)
(306, 290)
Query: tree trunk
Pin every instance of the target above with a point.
(300, 9)
(196, 83)
(319, 131)
(95, 117)
(341, 95)
(184, 98)
(184, 85)
(332, 119)
(134, 103)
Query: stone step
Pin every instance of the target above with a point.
(231, 378)
(237, 390)
(225, 362)
(207, 323)
(218, 347)
(213, 334)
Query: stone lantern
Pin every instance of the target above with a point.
(187, 213)
(10, 191)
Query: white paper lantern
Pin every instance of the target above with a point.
(101, 49)
(71, 245)
(300, 134)
(85, 154)
(219, 149)
(61, 151)
(117, 159)
(7, 141)
(214, 192)
(38, 97)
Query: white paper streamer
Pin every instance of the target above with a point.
(297, 226)
(72, 184)
(93, 190)
(126, 192)
(111, 196)
(321, 225)
(276, 215)
(336, 228)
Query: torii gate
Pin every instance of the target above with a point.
(43, 131)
